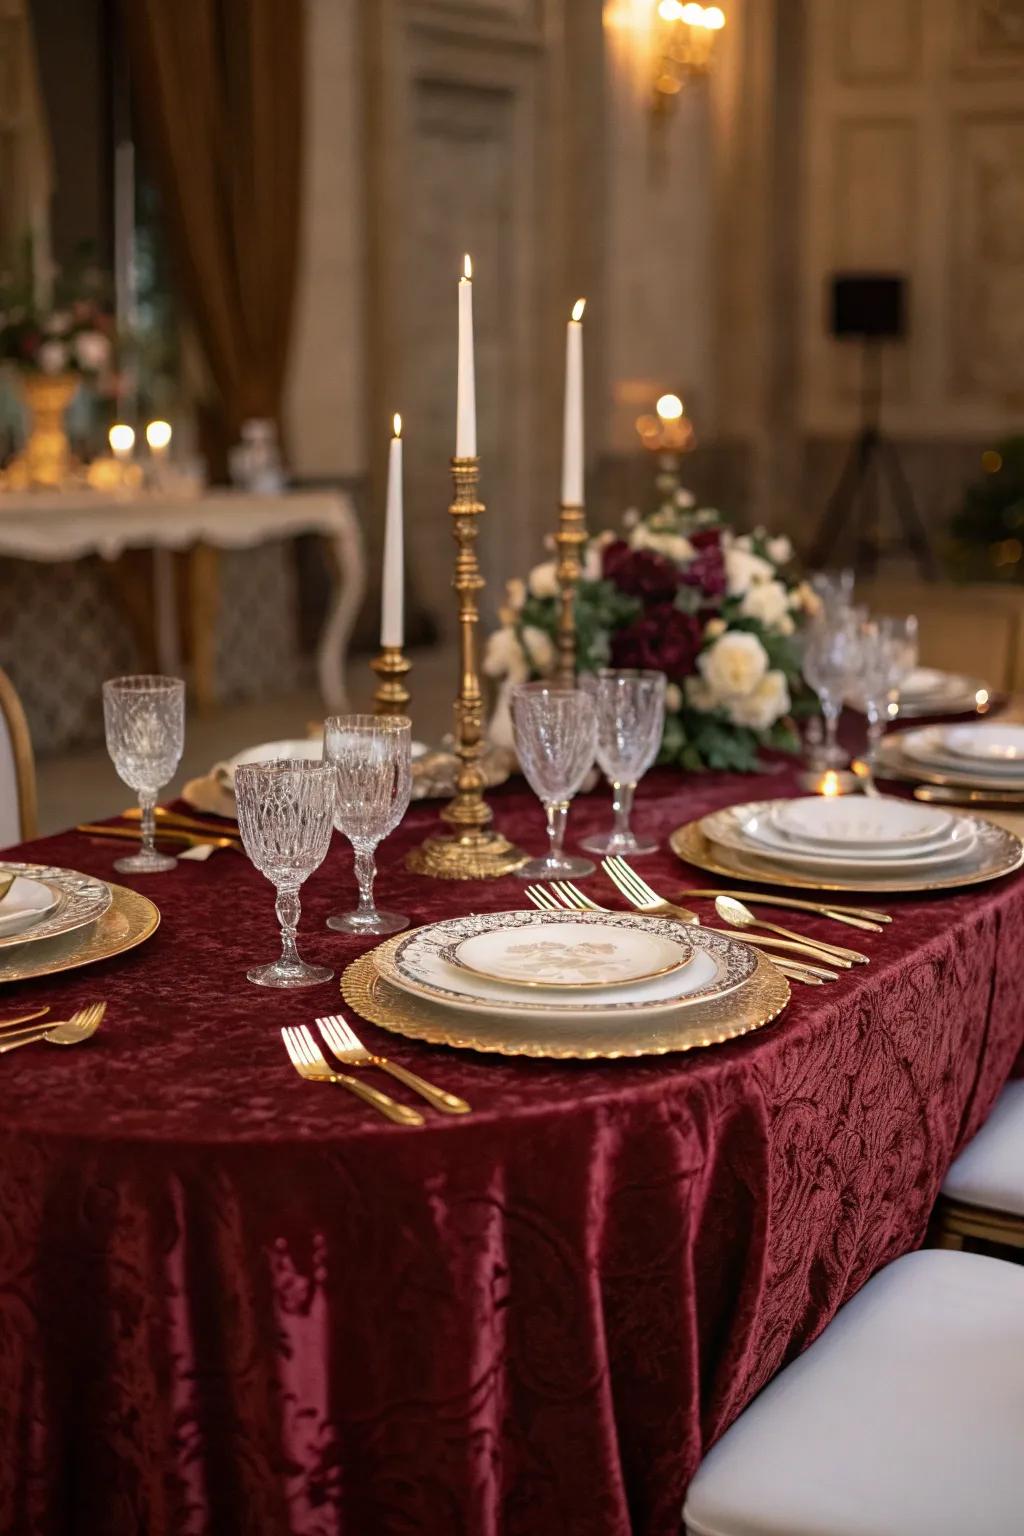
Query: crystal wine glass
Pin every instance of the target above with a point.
(830, 658)
(835, 589)
(372, 757)
(285, 810)
(144, 718)
(888, 654)
(630, 719)
(555, 731)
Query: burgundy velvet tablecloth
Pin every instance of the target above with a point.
(232, 1302)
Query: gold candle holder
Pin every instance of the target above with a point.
(392, 696)
(473, 849)
(569, 541)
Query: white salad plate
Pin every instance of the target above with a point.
(417, 964)
(750, 829)
(926, 747)
(82, 899)
(854, 822)
(26, 903)
(1000, 745)
(571, 956)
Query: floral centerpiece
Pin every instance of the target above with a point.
(718, 612)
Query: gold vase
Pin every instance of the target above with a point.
(45, 460)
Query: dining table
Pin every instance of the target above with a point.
(236, 1302)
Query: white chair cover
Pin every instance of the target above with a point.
(990, 1170)
(904, 1418)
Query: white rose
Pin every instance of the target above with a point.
(604, 539)
(684, 498)
(92, 350)
(744, 542)
(734, 665)
(742, 569)
(505, 657)
(768, 603)
(673, 698)
(515, 593)
(52, 357)
(542, 580)
(672, 545)
(759, 709)
(780, 549)
(805, 597)
(630, 517)
(539, 648)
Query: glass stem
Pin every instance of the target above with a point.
(288, 908)
(831, 725)
(556, 813)
(147, 803)
(876, 730)
(622, 806)
(366, 873)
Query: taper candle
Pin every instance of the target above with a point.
(572, 437)
(465, 406)
(392, 614)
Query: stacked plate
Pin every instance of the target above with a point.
(54, 919)
(850, 843)
(570, 984)
(928, 691)
(986, 755)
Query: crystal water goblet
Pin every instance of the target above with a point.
(555, 731)
(144, 718)
(372, 759)
(630, 720)
(830, 660)
(285, 813)
(888, 654)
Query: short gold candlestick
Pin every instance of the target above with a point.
(569, 541)
(392, 696)
(473, 849)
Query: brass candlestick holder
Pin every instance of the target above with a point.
(392, 696)
(569, 541)
(473, 849)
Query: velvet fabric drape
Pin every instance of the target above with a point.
(217, 86)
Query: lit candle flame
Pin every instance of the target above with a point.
(397, 423)
(578, 308)
(467, 269)
(830, 784)
(669, 408)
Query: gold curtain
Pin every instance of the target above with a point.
(217, 86)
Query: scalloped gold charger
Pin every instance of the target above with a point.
(756, 1003)
(129, 920)
(999, 853)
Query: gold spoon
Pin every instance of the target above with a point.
(73, 1031)
(740, 916)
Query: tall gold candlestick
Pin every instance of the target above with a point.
(473, 849)
(392, 696)
(569, 541)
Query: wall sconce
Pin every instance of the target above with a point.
(684, 42)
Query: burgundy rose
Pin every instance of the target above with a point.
(663, 639)
(640, 572)
(707, 568)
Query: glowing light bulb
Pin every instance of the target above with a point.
(158, 435)
(669, 407)
(670, 10)
(121, 438)
(693, 15)
(714, 18)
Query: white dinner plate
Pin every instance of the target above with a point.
(26, 903)
(926, 746)
(1001, 745)
(571, 956)
(855, 822)
(83, 899)
(417, 964)
(749, 829)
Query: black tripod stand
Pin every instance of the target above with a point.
(871, 465)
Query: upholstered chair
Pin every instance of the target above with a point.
(17, 770)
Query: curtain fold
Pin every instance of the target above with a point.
(218, 93)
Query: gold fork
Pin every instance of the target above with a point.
(309, 1062)
(23, 1018)
(567, 897)
(643, 896)
(351, 1052)
(73, 1031)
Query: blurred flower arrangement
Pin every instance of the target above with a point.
(678, 590)
(73, 335)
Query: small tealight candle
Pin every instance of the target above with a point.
(122, 441)
(830, 783)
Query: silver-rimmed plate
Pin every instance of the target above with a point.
(920, 756)
(416, 963)
(83, 899)
(571, 956)
(749, 829)
(24, 903)
(840, 823)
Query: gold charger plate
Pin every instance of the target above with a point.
(739, 1012)
(129, 920)
(1005, 850)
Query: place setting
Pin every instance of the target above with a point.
(958, 764)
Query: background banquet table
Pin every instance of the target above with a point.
(232, 1301)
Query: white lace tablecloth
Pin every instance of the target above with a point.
(69, 525)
